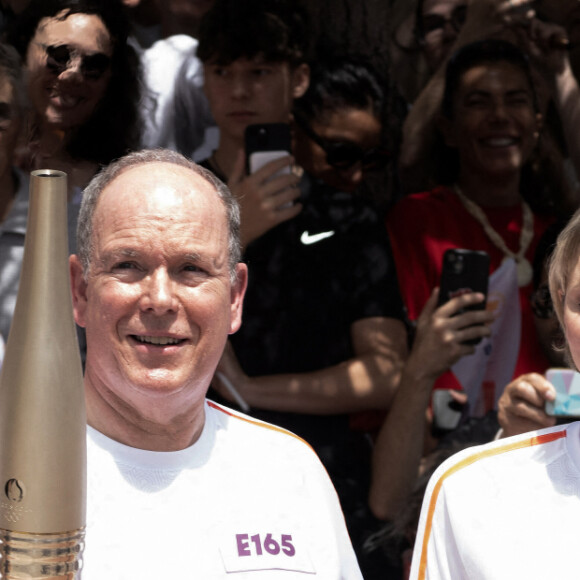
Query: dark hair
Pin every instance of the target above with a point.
(482, 52)
(114, 128)
(275, 29)
(339, 83)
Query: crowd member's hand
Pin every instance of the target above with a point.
(547, 44)
(441, 332)
(486, 18)
(521, 406)
(265, 199)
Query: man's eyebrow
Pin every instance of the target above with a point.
(122, 253)
(117, 254)
(193, 257)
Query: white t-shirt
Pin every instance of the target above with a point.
(247, 500)
(506, 510)
(175, 111)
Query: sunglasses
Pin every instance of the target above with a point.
(541, 303)
(436, 22)
(60, 57)
(344, 155)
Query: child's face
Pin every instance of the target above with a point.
(248, 91)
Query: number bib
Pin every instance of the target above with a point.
(249, 550)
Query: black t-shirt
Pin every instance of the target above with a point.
(310, 279)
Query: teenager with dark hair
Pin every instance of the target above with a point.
(254, 57)
(491, 122)
(441, 27)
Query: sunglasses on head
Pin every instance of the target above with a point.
(342, 155)
(541, 302)
(59, 58)
(435, 22)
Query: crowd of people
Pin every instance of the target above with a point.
(253, 338)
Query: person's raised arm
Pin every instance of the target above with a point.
(366, 381)
(548, 45)
(399, 447)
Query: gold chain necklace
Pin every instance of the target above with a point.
(524, 268)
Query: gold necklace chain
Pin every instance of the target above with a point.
(524, 268)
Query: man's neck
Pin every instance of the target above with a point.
(165, 429)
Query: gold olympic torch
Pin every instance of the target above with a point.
(42, 408)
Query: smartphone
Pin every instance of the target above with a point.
(266, 142)
(464, 271)
(567, 385)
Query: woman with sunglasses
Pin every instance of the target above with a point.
(83, 85)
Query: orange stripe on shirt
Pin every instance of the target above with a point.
(257, 423)
(537, 440)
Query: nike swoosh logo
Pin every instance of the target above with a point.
(308, 239)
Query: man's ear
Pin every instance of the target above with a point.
(78, 289)
(237, 297)
(447, 129)
(300, 80)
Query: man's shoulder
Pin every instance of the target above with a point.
(513, 452)
(517, 481)
(249, 429)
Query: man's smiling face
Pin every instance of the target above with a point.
(158, 302)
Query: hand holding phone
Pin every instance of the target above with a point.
(270, 195)
(463, 272)
(266, 142)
